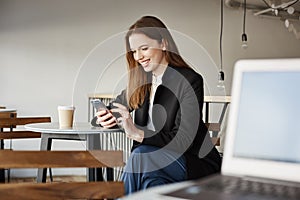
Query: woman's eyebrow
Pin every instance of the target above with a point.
(141, 46)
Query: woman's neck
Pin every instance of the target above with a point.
(159, 71)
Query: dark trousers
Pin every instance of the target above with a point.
(150, 166)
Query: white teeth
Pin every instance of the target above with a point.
(144, 62)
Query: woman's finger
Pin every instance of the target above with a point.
(110, 125)
(108, 122)
(101, 112)
(105, 117)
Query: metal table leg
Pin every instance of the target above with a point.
(95, 174)
(2, 171)
(46, 143)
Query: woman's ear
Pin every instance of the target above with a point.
(164, 44)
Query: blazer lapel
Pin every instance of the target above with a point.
(141, 114)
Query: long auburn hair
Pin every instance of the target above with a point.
(139, 80)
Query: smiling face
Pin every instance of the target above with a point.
(148, 53)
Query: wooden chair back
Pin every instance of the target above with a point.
(13, 121)
(66, 190)
(8, 123)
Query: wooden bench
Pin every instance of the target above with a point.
(62, 159)
(72, 190)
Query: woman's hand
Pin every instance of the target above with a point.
(130, 129)
(105, 119)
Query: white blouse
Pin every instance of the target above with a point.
(156, 81)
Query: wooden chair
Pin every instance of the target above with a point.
(14, 121)
(8, 124)
(61, 190)
(10, 113)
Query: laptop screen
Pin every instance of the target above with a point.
(269, 116)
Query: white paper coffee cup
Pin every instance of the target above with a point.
(65, 116)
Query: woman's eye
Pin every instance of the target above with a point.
(145, 48)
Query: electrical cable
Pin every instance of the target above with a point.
(244, 21)
(221, 36)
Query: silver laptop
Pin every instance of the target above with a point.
(262, 147)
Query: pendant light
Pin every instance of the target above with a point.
(244, 35)
(221, 76)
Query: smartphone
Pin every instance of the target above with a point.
(98, 105)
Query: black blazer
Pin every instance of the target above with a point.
(177, 118)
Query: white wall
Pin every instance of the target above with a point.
(55, 52)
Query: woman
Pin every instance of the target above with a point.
(170, 139)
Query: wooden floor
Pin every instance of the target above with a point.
(55, 179)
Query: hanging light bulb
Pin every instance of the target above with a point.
(244, 35)
(221, 76)
(221, 80)
(244, 41)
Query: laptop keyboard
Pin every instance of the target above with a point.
(232, 185)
